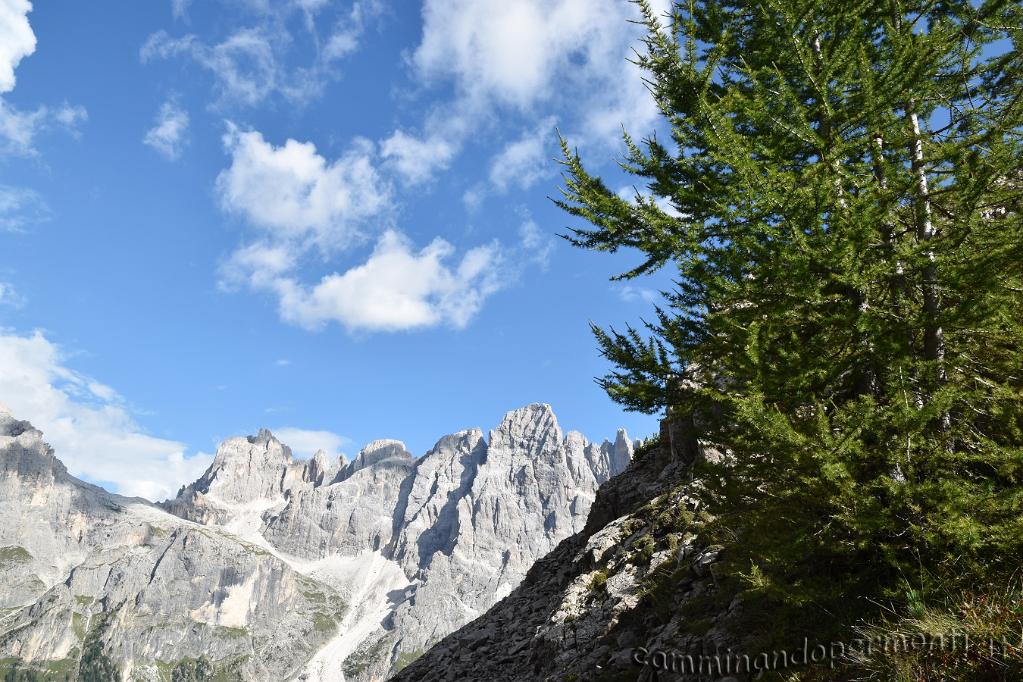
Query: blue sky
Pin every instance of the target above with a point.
(326, 218)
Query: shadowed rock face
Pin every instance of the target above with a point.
(631, 577)
(415, 548)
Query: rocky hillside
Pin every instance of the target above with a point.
(631, 587)
(312, 570)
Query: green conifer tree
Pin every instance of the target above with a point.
(847, 318)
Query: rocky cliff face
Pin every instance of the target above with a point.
(97, 586)
(282, 569)
(631, 596)
(478, 513)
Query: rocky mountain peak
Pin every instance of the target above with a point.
(246, 469)
(378, 451)
(533, 427)
(621, 452)
(317, 468)
(11, 427)
(23, 452)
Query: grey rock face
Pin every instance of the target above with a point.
(98, 582)
(260, 552)
(583, 610)
(478, 513)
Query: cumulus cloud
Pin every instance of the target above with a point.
(16, 39)
(88, 424)
(520, 52)
(300, 203)
(304, 442)
(347, 32)
(417, 159)
(505, 49)
(169, 132)
(521, 58)
(397, 288)
(293, 193)
(524, 161)
(257, 265)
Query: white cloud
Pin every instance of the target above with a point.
(503, 49)
(524, 161)
(634, 194)
(244, 64)
(179, 8)
(87, 424)
(18, 129)
(292, 193)
(535, 244)
(168, 135)
(417, 159)
(521, 51)
(348, 30)
(304, 443)
(300, 203)
(535, 55)
(631, 294)
(254, 62)
(530, 56)
(396, 289)
(257, 265)
(16, 39)
(69, 117)
(21, 207)
(473, 197)
(10, 297)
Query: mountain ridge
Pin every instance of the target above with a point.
(398, 550)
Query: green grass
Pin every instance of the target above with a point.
(991, 620)
(598, 583)
(358, 662)
(17, 670)
(13, 554)
(229, 632)
(406, 659)
(201, 669)
(324, 623)
(79, 624)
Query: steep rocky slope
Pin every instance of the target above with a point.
(633, 582)
(268, 568)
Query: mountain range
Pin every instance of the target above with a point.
(273, 568)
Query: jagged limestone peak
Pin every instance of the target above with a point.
(378, 451)
(247, 469)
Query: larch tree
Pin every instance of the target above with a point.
(847, 316)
